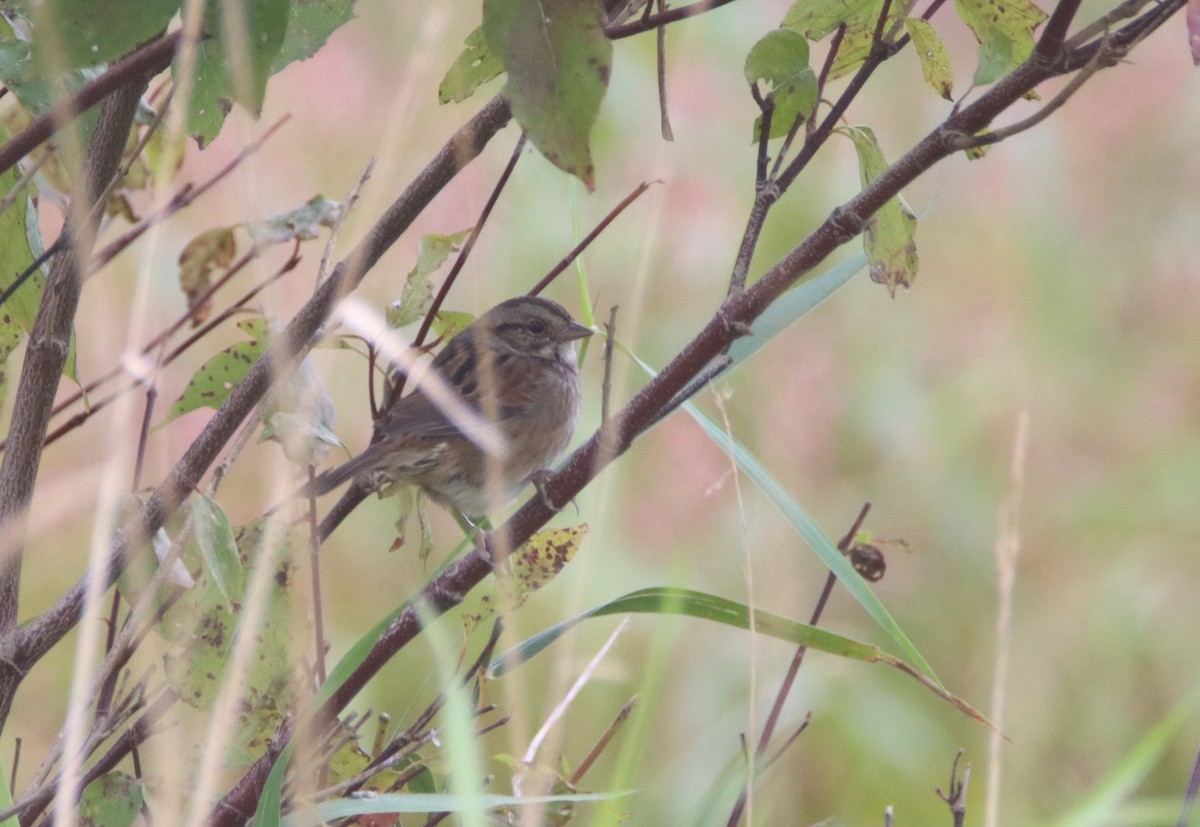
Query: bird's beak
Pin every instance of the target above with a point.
(576, 331)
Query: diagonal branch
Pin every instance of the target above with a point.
(734, 317)
(31, 641)
(49, 343)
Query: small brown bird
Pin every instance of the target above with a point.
(514, 368)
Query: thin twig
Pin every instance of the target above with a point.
(314, 562)
(610, 339)
(835, 45)
(186, 195)
(647, 23)
(789, 680)
(336, 229)
(956, 794)
(545, 280)
(1104, 58)
(397, 387)
(95, 406)
(661, 49)
(595, 752)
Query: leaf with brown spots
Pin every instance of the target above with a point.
(558, 61)
(216, 378)
(1004, 29)
(535, 564)
(202, 629)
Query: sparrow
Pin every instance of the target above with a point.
(515, 369)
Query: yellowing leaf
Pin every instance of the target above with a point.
(817, 18)
(1004, 29)
(535, 564)
(935, 63)
(212, 248)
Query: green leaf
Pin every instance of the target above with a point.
(112, 800)
(427, 803)
(995, 58)
(935, 62)
(780, 59)
(233, 64)
(417, 295)
(816, 19)
(1099, 805)
(558, 61)
(689, 603)
(203, 631)
(37, 94)
(806, 527)
(211, 385)
(474, 66)
(890, 232)
(449, 323)
(300, 224)
(214, 536)
(1004, 29)
(6, 799)
(90, 32)
(309, 25)
(686, 602)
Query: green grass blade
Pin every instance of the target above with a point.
(808, 529)
(1112, 791)
(425, 803)
(689, 603)
(794, 304)
(692, 604)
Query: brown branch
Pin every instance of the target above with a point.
(732, 319)
(1054, 35)
(97, 405)
(147, 61)
(650, 22)
(545, 280)
(32, 640)
(44, 360)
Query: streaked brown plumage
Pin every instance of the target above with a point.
(514, 367)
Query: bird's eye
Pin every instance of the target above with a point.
(537, 327)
